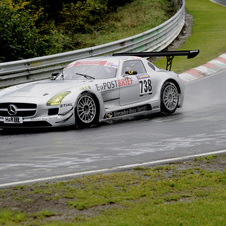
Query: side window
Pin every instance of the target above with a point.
(151, 66)
(133, 65)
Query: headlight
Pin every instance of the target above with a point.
(56, 100)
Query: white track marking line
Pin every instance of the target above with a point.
(117, 168)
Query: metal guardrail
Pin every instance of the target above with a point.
(156, 39)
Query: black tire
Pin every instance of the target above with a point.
(86, 111)
(169, 98)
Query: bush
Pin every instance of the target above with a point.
(114, 4)
(36, 28)
(20, 37)
(88, 15)
(83, 17)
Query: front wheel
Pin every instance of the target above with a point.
(169, 98)
(86, 112)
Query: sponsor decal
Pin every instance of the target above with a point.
(142, 76)
(130, 72)
(145, 85)
(93, 62)
(84, 87)
(90, 62)
(128, 111)
(87, 62)
(69, 65)
(111, 64)
(48, 118)
(65, 105)
(135, 57)
(114, 84)
(107, 85)
(125, 82)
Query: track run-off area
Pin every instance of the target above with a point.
(197, 129)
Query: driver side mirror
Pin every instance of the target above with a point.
(131, 72)
(54, 75)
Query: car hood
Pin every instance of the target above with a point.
(43, 88)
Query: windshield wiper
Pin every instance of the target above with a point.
(86, 76)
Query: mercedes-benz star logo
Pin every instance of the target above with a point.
(12, 109)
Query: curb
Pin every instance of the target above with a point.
(204, 70)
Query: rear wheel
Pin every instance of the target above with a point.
(169, 98)
(86, 111)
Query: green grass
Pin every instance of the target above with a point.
(208, 34)
(183, 193)
(177, 194)
(208, 31)
(127, 22)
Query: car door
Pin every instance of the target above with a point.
(135, 84)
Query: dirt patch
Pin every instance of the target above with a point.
(23, 199)
(205, 163)
(183, 36)
(42, 203)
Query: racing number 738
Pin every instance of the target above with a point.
(145, 86)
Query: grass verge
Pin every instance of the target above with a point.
(131, 19)
(183, 193)
(188, 193)
(208, 35)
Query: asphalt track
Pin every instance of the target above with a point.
(221, 2)
(196, 129)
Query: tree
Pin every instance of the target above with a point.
(19, 36)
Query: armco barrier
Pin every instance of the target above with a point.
(38, 68)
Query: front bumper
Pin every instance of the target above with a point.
(44, 117)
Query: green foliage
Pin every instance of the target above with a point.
(53, 8)
(206, 159)
(18, 33)
(120, 23)
(83, 17)
(43, 214)
(208, 35)
(35, 28)
(88, 15)
(167, 195)
(21, 37)
(8, 217)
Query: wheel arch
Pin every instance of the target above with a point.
(162, 106)
(94, 96)
(96, 99)
(174, 82)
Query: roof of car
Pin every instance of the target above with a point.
(111, 58)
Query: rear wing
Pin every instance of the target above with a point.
(169, 55)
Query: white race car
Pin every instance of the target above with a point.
(91, 90)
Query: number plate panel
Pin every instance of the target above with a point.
(145, 86)
(13, 120)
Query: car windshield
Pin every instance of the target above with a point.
(89, 69)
